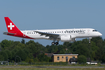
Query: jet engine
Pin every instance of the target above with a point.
(67, 38)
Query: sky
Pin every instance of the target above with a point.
(52, 14)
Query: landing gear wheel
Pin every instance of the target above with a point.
(53, 43)
(56, 43)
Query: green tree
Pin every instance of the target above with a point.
(103, 58)
(82, 59)
(36, 59)
(1, 58)
(44, 59)
(29, 58)
(9, 54)
(23, 41)
(4, 54)
(6, 43)
(21, 54)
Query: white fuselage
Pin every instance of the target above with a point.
(75, 33)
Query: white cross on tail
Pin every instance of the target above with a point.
(10, 26)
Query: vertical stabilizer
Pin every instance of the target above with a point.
(11, 27)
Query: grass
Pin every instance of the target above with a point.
(52, 68)
(31, 67)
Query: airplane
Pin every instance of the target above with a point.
(64, 35)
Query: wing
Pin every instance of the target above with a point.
(51, 35)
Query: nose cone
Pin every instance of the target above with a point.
(100, 34)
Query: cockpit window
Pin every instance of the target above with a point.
(94, 30)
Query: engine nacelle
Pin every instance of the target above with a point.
(65, 38)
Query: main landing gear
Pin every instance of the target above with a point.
(55, 43)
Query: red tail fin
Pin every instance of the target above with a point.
(13, 30)
(11, 27)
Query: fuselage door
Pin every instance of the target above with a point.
(88, 32)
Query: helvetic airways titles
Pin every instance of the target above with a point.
(66, 31)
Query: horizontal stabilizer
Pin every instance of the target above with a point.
(7, 33)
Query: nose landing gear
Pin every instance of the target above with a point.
(90, 39)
